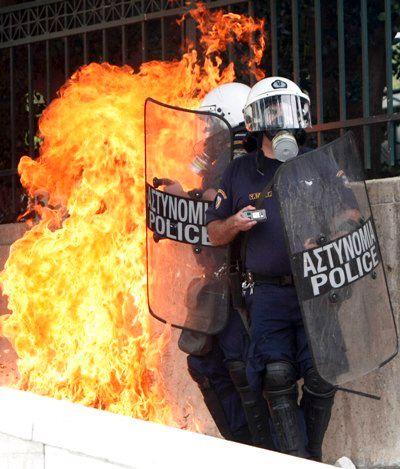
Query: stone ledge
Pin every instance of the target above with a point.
(76, 436)
(384, 193)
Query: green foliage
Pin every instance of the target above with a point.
(396, 61)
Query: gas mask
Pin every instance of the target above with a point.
(284, 144)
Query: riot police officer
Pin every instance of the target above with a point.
(278, 112)
(239, 412)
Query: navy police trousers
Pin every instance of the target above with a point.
(277, 331)
(229, 345)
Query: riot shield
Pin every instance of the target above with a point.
(186, 153)
(336, 261)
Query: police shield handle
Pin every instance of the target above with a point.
(222, 232)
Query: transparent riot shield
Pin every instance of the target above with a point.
(186, 153)
(336, 261)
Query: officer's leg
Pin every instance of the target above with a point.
(234, 341)
(280, 391)
(317, 401)
(220, 396)
(254, 406)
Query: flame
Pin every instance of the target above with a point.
(76, 282)
(221, 29)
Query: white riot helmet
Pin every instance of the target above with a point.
(276, 103)
(228, 101)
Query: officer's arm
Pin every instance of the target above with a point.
(222, 232)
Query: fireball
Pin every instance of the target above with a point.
(76, 282)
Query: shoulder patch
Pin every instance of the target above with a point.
(223, 194)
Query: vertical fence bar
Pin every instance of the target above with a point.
(365, 86)
(250, 11)
(47, 52)
(143, 26)
(318, 68)
(183, 34)
(230, 46)
(30, 103)
(295, 41)
(342, 63)
(123, 37)
(85, 48)
(144, 42)
(12, 129)
(84, 35)
(66, 47)
(103, 33)
(389, 80)
(48, 73)
(123, 44)
(162, 38)
(190, 25)
(274, 37)
(104, 52)
(66, 58)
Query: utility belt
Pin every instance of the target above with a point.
(281, 281)
(240, 283)
(251, 279)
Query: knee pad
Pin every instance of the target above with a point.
(280, 378)
(316, 386)
(237, 372)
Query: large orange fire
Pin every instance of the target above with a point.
(76, 280)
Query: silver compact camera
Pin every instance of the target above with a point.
(257, 215)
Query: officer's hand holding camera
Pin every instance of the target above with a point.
(242, 221)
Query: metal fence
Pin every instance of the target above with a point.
(341, 52)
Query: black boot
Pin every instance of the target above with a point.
(280, 391)
(317, 402)
(214, 402)
(254, 407)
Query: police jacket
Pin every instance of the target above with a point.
(241, 185)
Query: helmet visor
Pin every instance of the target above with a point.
(278, 112)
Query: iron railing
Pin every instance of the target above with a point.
(329, 48)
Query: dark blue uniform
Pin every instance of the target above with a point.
(211, 372)
(279, 353)
(239, 412)
(276, 325)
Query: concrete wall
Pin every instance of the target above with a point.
(365, 430)
(8, 234)
(368, 431)
(8, 366)
(41, 433)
